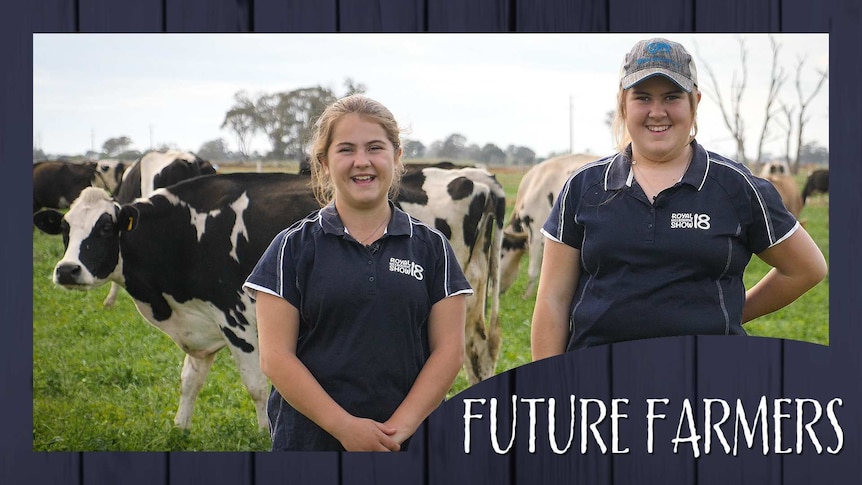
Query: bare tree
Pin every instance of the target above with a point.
(241, 121)
(730, 114)
(787, 111)
(776, 80)
(803, 119)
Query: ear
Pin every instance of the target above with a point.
(323, 163)
(48, 221)
(128, 217)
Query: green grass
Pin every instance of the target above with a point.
(105, 379)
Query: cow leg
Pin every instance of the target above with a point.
(195, 370)
(254, 380)
(112, 295)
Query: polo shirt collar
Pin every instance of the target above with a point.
(619, 171)
(331, 223)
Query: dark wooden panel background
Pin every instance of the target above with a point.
(676, 369)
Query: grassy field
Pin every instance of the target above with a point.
(105, 379)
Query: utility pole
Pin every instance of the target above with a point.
(151, 136)
(92, 141)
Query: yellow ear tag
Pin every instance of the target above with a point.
(131, 223)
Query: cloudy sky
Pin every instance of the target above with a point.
(549, 92)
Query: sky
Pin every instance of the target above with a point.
(548, 92)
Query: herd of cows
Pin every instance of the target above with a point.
(181, 239)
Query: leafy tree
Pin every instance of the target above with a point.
(492, 154)
(38, 154)
(413, 149)
(214, 150)
(287, 118)
(814, 153)
(453, 146)
(354, 88)
(113, 146)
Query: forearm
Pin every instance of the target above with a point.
(773, 292)
(304, 393)
(549, 329)
(798, 265)
(428, 391)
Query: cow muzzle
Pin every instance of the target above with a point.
(68, 274)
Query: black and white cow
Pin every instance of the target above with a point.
(467, 205)
(152, 171)
(57, 183)
(536, 194)
(155, 170)
(816, 183)
(183, 254)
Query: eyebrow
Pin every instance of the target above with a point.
(370, 142)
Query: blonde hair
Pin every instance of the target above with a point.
(321, 139)
(618, 127)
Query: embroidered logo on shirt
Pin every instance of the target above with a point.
(407, 267)
(683, 220)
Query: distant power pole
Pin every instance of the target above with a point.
(571, 124)
(151, 136)
(92, 140)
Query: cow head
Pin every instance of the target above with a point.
(91, 236)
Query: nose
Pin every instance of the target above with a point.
(657, 110)
(67, 273)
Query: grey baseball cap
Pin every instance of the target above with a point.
(659, 57)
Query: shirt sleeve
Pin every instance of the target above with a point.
(448, 278)
(772, 222)
(275, 272)
(561, 225)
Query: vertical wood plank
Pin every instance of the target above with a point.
(747, 369)
(53, 15)
(472, 16)
(211, 468)
(833, 372)
(584, 375)
(120, 16)
(125, 468)
(295, 16)
(447, 463)
(23, 466)
(18, 463)
(628, 16)
(736, 15)
(382, 16)
(319, 468)
(561, 16)
(656, 376)
(208, 15)
(805, 16)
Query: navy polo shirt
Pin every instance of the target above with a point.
(673, 267)
(363, 313)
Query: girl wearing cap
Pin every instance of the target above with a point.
(360, 308)
(653, 241)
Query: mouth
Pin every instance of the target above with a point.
(363, 179)
(658, 129)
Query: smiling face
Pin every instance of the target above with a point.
(361, 162)
(659, 117)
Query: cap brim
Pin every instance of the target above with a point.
(628, 81)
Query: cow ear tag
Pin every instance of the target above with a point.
(129, 215)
